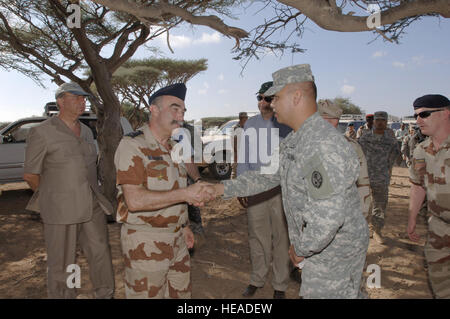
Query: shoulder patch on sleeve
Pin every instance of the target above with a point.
(134, 134)
(318, 181)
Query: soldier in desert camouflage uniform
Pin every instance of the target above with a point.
(152, 206)
(430, 177)
(381, 151)
(317, 172)
(331, 113)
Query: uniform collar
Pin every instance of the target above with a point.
(152, 141)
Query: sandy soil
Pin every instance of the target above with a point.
(220, 266)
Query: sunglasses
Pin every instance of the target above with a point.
(268, 99)
(425, 114)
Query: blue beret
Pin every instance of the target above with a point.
(431, 101)
(178, 90)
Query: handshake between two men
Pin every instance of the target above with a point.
(199, 193)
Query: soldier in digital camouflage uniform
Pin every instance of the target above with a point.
(317, 171)
(430, 177)
(405, 150)
(381, 150)
(331, 113)
(152, 206)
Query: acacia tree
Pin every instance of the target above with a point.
(136, 80)
(289, 17)
(35, 39)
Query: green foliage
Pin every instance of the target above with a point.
(136, 117)
(136, 80)
(347, 106)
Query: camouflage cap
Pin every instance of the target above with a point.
(380, 115)
(70, 87)
(328, 109)
(243, 114)
(292, 74)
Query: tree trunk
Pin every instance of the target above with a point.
(109, 131)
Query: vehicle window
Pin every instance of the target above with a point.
(19, 133)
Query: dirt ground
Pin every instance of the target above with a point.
(220, 266)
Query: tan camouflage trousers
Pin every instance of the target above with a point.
(157, 263)
(437, 254)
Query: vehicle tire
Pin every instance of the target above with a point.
(220, 170)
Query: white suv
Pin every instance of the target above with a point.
(13, 141)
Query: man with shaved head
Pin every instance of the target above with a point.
(317, 171)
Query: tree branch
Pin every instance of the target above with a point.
(327, 17)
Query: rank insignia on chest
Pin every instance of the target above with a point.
(155, 158)
(316, 179)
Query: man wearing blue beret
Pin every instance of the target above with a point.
(152, 197)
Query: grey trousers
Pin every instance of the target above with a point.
(61, 243)
(269, 243)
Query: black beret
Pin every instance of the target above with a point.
(178, 90)
(431, 101)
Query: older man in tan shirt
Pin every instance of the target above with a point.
(60, 167)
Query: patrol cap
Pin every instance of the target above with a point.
(351, 124)
(328, 109)
(264, 87)
(431, 101)
(70, 87)
(380, 115)
(178, 90)
(243, 114)
(292, 74)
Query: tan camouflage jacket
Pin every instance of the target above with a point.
(363, 182)
(431, 170)
(141, 160)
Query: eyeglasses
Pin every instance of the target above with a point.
(425, 114)
(268, 99)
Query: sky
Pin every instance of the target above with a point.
(377, 76)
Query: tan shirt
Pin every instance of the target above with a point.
(141, 160)
(67, 168)
(430, 169)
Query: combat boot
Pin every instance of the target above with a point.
(377, 236)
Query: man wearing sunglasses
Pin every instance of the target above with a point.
(381, 150)
(267, 229)
(430, 177)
